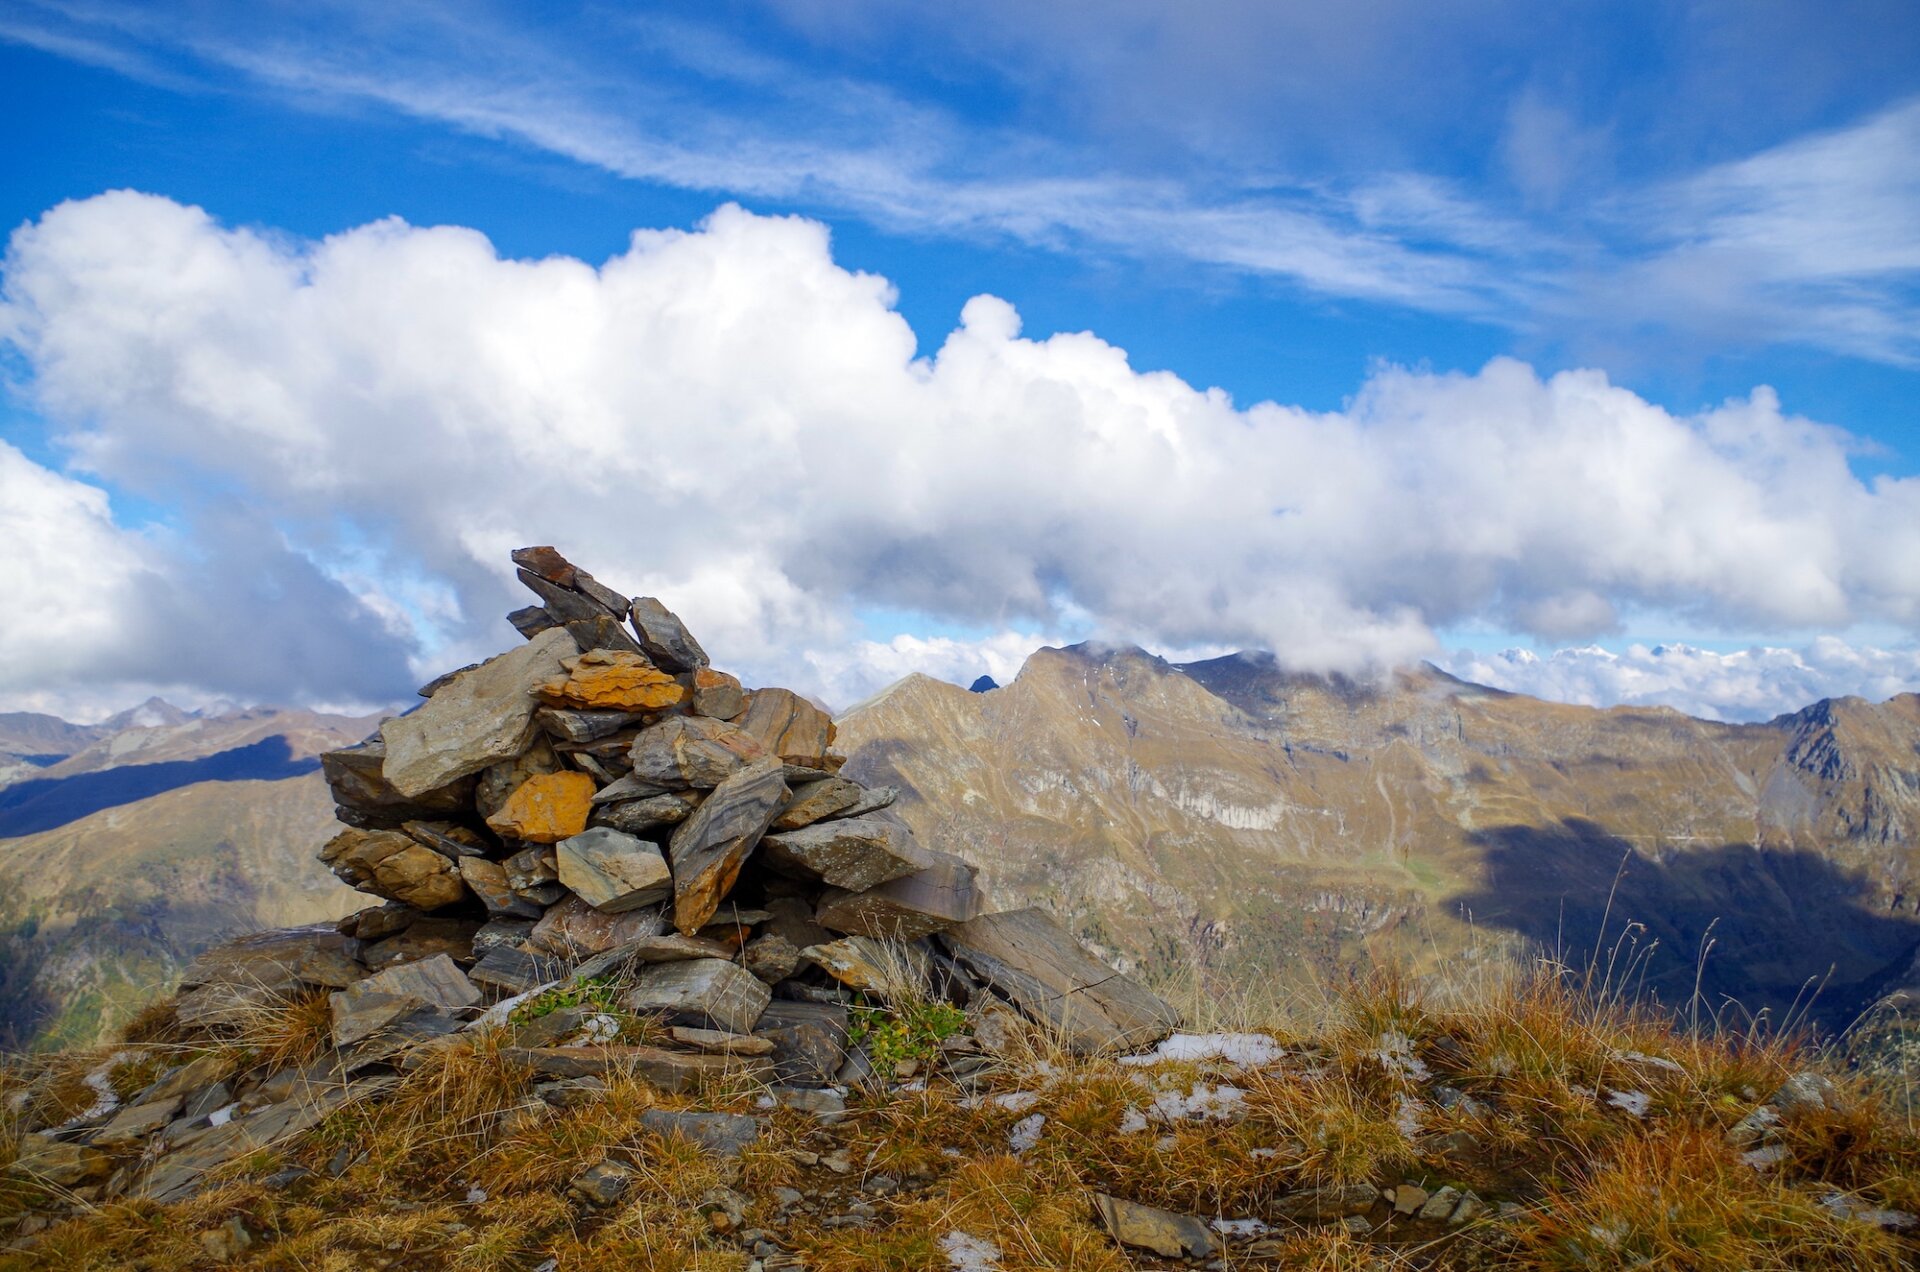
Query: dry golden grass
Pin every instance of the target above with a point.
(463, 1167)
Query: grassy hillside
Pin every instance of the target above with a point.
(1523, 1125)
(100, 913)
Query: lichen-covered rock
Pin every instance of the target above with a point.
(390, 864)
(546, 809)
(610, 680)
(716, 694)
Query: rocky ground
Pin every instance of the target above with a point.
(1533, 1128)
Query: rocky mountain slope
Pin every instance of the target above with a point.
(1232, 817)
(155, 835)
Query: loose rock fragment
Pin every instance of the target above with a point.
(857, 853)
(788, 725)
(664, 638)
(723, 1134)
(1150, 1228)
(488, 881)
(613, 871)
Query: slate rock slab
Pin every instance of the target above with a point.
(1149, 1228)
(708, 848)
(367, 1005)
(683, 751)
(813, 801)
(906, 908)
(788, 725)
(857, 853)
(365, 798)
(708, 993)
(663, 637)
(809, 1040)
(483, 717)
(722, 1134)
(613, 871)
(390, 864)
(1036, 963)
(668, 1070)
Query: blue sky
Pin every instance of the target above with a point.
(1283, 202)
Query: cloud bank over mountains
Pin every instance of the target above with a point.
(347, 436)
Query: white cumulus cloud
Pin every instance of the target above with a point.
(729, 419)
(1747, 684)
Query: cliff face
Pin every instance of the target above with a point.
(1234, 814)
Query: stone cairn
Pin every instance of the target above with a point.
(599, 807)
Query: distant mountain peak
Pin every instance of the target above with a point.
(154, 713)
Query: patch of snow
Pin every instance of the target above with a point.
(600, 1029)
(1026, 1132)
(1017, 1101)
(221, 1116)
(968, 1253)
(1133, 1121)
(475, 1196)
(100, 1082)
(1240, 1227)
(1218, 1103)
(1245, 1050)
(1406, 1117)
(1634, 1102)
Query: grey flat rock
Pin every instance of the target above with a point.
(707, 993)
(613, 871)
(856, 853)
(1036, 963)
(483, 717)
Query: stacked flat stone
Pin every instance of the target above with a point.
(601, 799)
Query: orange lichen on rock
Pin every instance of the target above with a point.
(614, 680)
(546, 809)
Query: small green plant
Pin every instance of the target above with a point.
(597, 992)
(895, 1035)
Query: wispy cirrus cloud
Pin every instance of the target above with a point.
(1809, 241)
